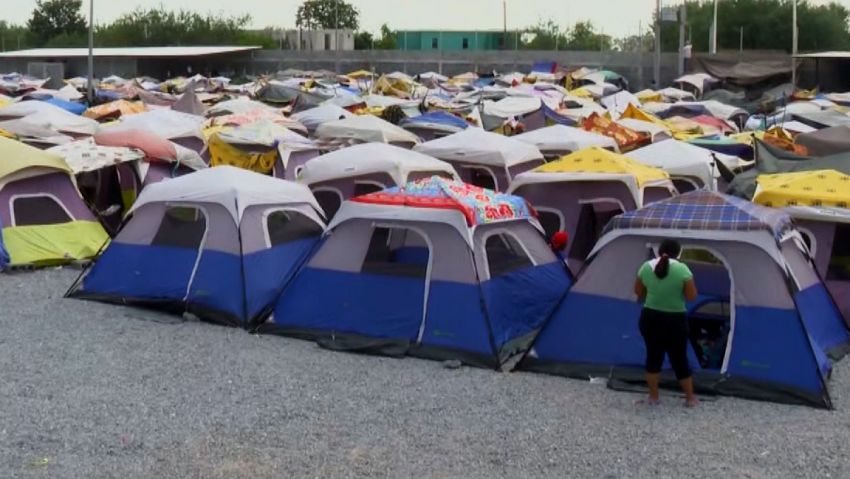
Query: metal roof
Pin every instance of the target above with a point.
(135, 52)
(844, 55)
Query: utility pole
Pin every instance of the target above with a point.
(683, 19)
(741, 42)
(90, 82)
(657, 69)
(336, 25)
(505, 24)
(713, 42)
(794, 39)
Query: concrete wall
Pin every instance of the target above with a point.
(636, 67)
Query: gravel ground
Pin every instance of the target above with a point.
(91, 390)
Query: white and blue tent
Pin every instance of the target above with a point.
(219, 243)
(436, 268)
(764, 322)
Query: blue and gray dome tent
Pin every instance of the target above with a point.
(774, 324)
(219, 243)
(436, 268)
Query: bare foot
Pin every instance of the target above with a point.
(649, 401)
(692, 402)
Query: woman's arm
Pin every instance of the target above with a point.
(640, 290)
(690, 290)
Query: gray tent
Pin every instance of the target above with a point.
(828, 141)
(770, 159)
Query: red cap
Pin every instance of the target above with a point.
(559, 240)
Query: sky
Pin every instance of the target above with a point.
(613, 17)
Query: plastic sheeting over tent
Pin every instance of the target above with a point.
(562, 139)
(685, 163)
(364, 129)
(405, 272)
(219, 243)
(475, 152)
(762, 274)
(50, 116)
(314, 117)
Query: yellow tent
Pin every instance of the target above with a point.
(81, 237)
(601, 161)
(17, 156)
(804, 188)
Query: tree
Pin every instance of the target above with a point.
(327, 14)
(583, 37)
(157, 26)
(546, 35)
(388, 39)
(767, 25)
(56, 17)
(363, 41)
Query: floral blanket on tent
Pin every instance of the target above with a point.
(626, 138)
(478, 205)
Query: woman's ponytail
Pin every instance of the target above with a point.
(662, 267)
(668, 248)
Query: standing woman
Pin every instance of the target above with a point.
(664, 284)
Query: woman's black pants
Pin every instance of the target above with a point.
(665, 333)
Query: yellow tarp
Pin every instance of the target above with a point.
(359, 74)
(223, 153)
(602, 161)
(46, 245)
(636, 113)
(580, 92)
(646, 96)
(115, 109)
(16, 156)
(804, 188)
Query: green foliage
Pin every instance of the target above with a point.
(14, 37)
(767, 25)
(52, 18)
(157, 26)
(388, 40)
(327, 14)
(547, 35)
(363, 41)
(583, 37)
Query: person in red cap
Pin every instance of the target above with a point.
(559, 241)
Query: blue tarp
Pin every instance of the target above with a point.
(544, 67)
(4, 256)
(75, 108)
(440, 118)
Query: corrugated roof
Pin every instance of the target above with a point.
(845, 55)
(137, 52)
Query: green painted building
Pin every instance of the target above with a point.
(450, 40)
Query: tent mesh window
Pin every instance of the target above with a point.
(287, 226)
(505, 254)
(329, 201)
(478, 177)
(181, 227)
(38, 210)
(396, 252)
(366, 188)
(839, 260)
(550, 222)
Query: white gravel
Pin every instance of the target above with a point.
(89, 390)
